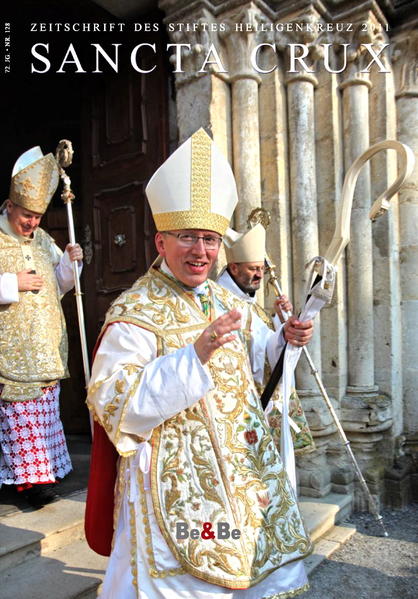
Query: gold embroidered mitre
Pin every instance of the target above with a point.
(34, 180)
(194, 188)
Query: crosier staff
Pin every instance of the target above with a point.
(64, 157)
(321, 288)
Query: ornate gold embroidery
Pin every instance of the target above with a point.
(34, 186)
(27, 186)
(287, 594)
(33, 340)
(114, 409)
(216, 461)
(131, 368)
(153, 570)
(228, 490)
(200, 172)
(119, 490)
(170, 221)
(134, 545)
(199, 216)
(120, 386)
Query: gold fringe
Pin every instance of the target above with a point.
(292, 593)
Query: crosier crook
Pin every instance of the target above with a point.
(324, 281)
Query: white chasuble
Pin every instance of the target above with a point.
(196, 453)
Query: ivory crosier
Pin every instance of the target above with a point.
(323, 278)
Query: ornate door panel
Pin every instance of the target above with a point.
(125, 140)
(124, 237)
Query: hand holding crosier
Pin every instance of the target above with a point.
(298, 333)
(74, 251)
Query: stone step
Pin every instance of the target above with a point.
(27, 534)
(321, 514)
(326, 545)
(324, 519)
(73, 571)
(43, 553)
(90, 594)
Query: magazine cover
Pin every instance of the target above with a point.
(290, 94)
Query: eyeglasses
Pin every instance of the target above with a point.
(211, 242)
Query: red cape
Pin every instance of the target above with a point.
(98, 524)
(100, 503)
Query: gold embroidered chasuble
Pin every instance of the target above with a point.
(213, 462)
(33, 338)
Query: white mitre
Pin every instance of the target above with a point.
(34, 180)
(194, 188)
(246, 247)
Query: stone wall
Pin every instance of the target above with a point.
(291, 129)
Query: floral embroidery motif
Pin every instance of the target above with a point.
(303, 441)
(215, 461)
(251, 437)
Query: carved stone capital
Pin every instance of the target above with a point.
(244, 30)
(300, 42)
(319, 417)
(360, 47)
(405, 60)
(197, 51)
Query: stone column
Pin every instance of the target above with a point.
(385, 231)
(302, 169)
(359, 252)
(329, 144)
(405, 59)
(300, 94)
(274, 170)
(198, 73)
(244, 82)
(365, 412)
(314, 474)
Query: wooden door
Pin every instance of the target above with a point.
(124, 141)
(117, 123)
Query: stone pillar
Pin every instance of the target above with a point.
(365, 412)
(244, 82)
(385, 232)
(314, 474)
(198, 74)
(329, 145)
(355, 93)
(274, 170)
(246, 145)
(405, 59)
(300, 94)
(302, 169)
